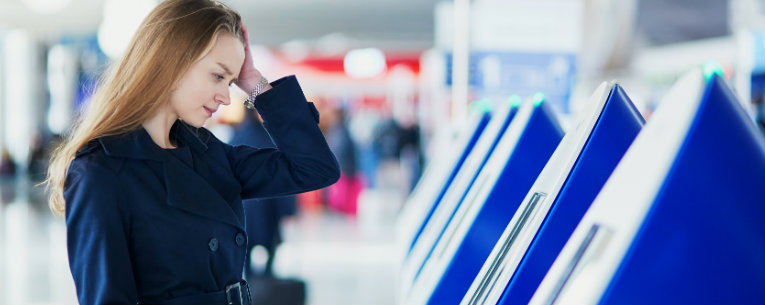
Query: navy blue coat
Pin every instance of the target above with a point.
(149, 225)
(263, 215)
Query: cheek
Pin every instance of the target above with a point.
(190, 94)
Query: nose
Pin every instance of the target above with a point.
(223, 96)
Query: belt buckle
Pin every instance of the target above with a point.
(237, 287)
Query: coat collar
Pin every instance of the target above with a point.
(138, 144)
(186, 189)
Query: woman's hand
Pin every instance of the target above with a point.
(248, 75)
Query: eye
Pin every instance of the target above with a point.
(218, 76)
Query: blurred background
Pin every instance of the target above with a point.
(392, 79)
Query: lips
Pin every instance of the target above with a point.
(209, 111)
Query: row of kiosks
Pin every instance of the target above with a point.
(616, 211)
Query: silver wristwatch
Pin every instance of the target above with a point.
(250, 101)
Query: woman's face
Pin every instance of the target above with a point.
(205, 85)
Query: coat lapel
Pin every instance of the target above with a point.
(186, 189)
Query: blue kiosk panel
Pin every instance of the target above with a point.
(477, 128)
(680, 220)
(449, 203)
(617, 126)
(702, 241)
(463, 189)
(538, 140)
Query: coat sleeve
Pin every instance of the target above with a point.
(97, 236)
(302, 160)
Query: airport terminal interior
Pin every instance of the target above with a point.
(491, 151)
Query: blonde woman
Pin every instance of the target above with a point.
(153, 201)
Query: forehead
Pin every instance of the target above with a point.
(227, 50)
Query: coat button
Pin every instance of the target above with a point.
(240, 239)
(213, 244)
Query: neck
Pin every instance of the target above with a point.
(158, 127)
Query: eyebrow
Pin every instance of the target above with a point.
(225, 68)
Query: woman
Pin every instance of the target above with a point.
(153, 201)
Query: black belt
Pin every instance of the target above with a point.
(235, 294)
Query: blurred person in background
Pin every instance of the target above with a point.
(7, 176)
(410, 152)
(153, 201)
(393, 172)
(343, 195)
(361, 124)
(38, 157)
(7, 166)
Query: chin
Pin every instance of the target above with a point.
(197, 123)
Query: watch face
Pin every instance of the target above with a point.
(249, 104)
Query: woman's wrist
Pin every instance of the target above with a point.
(261, 86)
(249, 85)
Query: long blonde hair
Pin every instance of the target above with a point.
(171, 38)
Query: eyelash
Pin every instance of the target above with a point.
(220, 77)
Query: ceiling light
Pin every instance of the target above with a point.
(121, 20)
(46, 6)
(364, 63)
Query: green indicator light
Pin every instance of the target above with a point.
(711, 68)
(538, 98)
(515, 100)
(479, 106)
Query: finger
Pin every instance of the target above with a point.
(245, 35)
(246, 38)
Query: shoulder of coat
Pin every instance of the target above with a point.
(94, 153)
